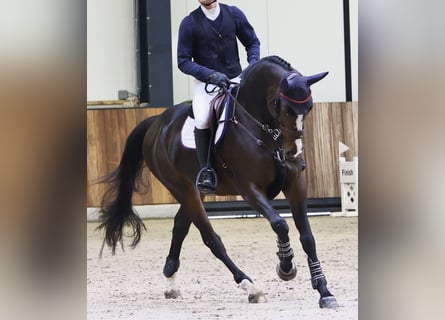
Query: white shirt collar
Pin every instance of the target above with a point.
(211, 14)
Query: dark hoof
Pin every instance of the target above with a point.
(258, 297)
(170, 267)
(328, 302)
(172, 294)
(286, 276)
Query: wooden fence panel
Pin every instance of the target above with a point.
(325, 126)
(107, 133)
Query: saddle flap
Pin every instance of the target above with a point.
(222, 111)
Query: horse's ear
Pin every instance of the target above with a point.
(315, 78)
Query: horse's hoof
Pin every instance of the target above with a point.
(328, 302)
(254, 295)
(258, 297)
(170, 267)
(286, 276)
(172, 294)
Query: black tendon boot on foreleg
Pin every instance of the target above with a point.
(206, 180)
(286, 268)
(318, 279)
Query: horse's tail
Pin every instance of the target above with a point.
(116, 209)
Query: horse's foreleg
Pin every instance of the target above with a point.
(286, 268)
(181, 228)
(318, 279)
(297, 202)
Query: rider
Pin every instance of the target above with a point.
(208, 51)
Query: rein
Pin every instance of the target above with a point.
(278, 152)
(274, 133)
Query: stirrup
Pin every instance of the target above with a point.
(206, 180)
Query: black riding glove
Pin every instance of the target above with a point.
(219, 79)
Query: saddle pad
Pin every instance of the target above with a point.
(188, 136)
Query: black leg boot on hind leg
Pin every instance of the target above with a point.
(206, 180)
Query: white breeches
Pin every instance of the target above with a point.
(201, 103)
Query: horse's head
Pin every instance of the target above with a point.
(294, 102)
(295, 92)
(275, 93)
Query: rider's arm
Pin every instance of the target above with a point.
(246, 34)
(185, 52)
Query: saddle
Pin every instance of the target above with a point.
(222, 112)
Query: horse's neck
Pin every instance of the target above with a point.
(260, 91)
(259, 106)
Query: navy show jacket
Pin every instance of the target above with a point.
(205, 46)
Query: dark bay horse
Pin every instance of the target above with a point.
(260, 155)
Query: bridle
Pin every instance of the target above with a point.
(275, 133)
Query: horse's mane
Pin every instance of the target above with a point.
(269, 59)
(278, 61)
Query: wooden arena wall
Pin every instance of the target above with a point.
(325, 126)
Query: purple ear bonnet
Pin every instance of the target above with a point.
(295, 86)
(296, 92)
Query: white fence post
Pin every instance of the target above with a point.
(348, 184)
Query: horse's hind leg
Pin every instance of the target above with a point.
(181, 228)
(297, 204)
(213, 241)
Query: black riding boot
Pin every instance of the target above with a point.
(206, 180)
